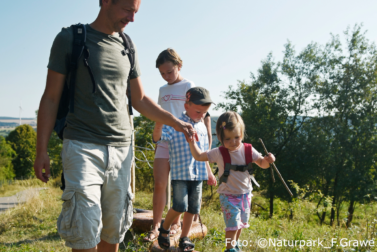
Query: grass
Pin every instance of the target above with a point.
(32, 226)
(9, 188)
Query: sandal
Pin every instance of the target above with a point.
(153, 233)
(174, 229)
(185, 243)
(164, 242)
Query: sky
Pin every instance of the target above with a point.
(220, 42)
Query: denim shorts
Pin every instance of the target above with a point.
(97, 201)
(187, 196)
(236, 210)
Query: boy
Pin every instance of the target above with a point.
(187, 174)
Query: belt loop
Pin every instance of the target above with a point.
(108, 157)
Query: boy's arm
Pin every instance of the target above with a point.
(266, 161)
(207, 123)
(157, 131)
(196, 152)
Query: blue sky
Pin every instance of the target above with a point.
(219, 41)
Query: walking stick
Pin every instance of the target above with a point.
(276, 169)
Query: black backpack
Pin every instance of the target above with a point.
(79, 48)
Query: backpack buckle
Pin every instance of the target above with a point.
(240, 168)
(250, 170)
(226, 173)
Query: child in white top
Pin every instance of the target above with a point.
(172, 97)
(235, 193)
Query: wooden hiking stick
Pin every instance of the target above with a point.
(276, 169)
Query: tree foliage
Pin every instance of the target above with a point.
(316, 111)
(23, 141)
(143, 138)
(6, 156)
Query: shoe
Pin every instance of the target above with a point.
(164, 242)
(185, 243)
(151, 236)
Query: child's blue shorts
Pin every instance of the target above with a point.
(236, 210)
(187, 196)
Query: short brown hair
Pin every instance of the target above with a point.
(229, 121)
(113, 1)
(168, 55)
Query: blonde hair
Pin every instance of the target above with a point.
(168, 55)
(229, 121)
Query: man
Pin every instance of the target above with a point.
(96, 149)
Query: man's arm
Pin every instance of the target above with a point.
(146, 106)
(48, 109)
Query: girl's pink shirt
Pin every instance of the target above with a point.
(238, 182)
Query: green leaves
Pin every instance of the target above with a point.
(317, 112)
(23, 142)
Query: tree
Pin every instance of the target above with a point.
(334, 149)
(23, 141)
(274, 107)
(55, 145)
(143, 136)
(346, 84)
(6, 156)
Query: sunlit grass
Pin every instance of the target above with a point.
(32, 226)
(11, 188)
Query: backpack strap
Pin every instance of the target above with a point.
(79, 39)
(130, 51)
(242, 168)
(248, 153)
(227, 164)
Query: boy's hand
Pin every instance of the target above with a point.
(211, 180)
(270, 158)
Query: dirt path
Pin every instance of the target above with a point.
(18, 198)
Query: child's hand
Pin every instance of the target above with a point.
(195, 138)
(270, 158)
(211, 180)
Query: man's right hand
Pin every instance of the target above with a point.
(42, 167)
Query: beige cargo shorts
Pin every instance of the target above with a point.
(97, 201)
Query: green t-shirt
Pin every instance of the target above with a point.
(100, 117)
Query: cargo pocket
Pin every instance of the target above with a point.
(69, 222)
(127, 213)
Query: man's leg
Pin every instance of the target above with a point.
(116, 201)
(79, 223)
(104, 246)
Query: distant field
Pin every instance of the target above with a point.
(23, 121)
(11, 122)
